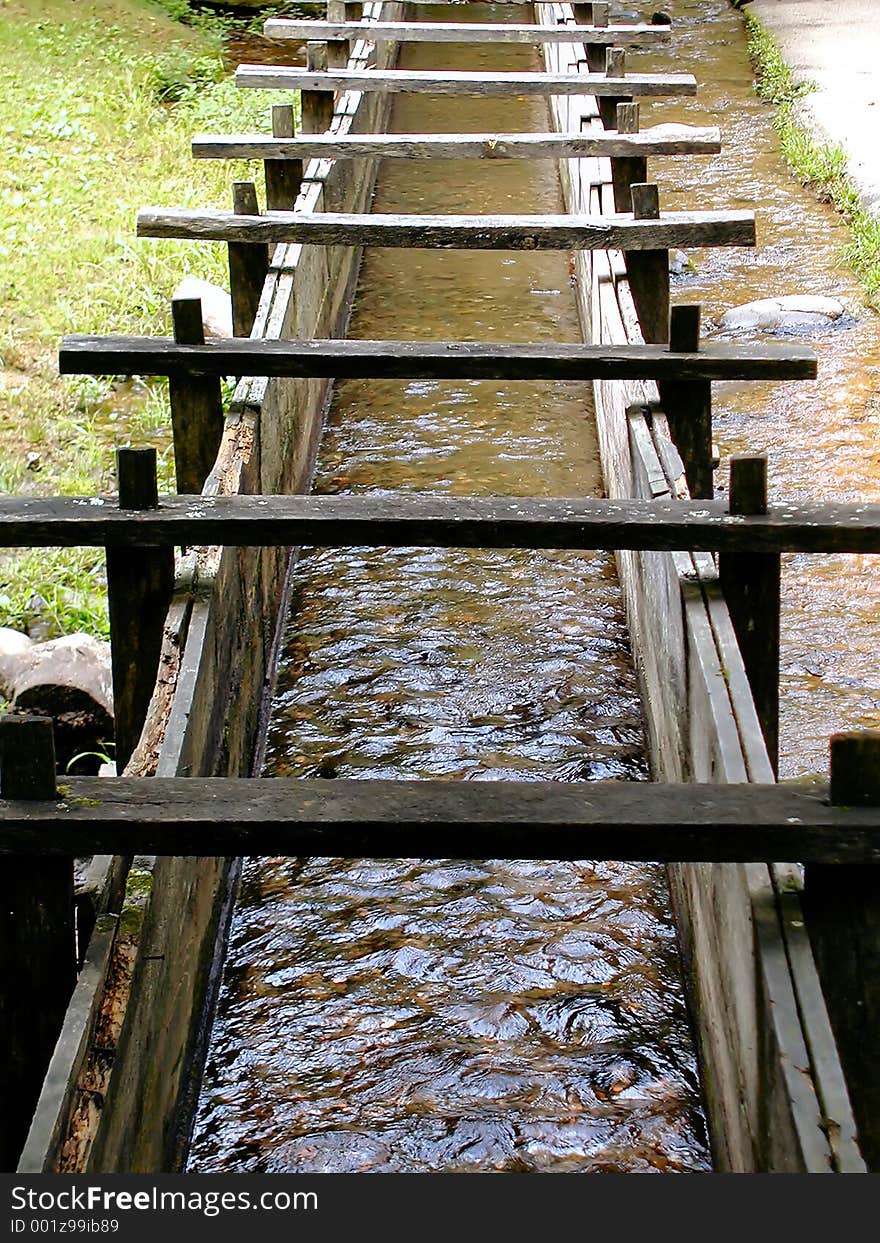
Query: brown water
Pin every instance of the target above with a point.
(823, 439)
(451, 1016)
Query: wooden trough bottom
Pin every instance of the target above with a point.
(121, 1090)
(774, 1090)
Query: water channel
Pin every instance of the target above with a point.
(498, 1016)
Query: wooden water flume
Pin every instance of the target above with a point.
(782, 1038)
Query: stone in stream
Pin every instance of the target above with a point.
(216, 305)
(788, 313)
(68, 679)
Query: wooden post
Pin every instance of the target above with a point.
(688, 405)
(37, 940)
(248, 263)
(648, 270)
(842, 906)
(317, 106)
(751, 583)
(139, 586)
(627, 171)
(337, 53)
(283, 177)
(196, 405)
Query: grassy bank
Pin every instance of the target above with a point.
(99, 100)
(819, 165)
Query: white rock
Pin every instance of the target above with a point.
(216, 305)
(787, 311)
(12, 645)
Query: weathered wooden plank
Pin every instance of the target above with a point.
(636, 35)
(97, 355)
(656, 140)
(415, 520)
(459, 82)
(506, 819)
(558, 232)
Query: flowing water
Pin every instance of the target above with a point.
(427, 1016)
(822, 438)
(417, 1015)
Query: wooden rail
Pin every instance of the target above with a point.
(622, 232)
(446, 521)
(613, 820)
(109, 355)
(292, 78)
(634, 35)
(657, 140)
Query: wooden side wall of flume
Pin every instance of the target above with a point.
(145, 1014)
(774, 1089)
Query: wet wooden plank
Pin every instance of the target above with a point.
(426, 521)
(124, 355)
(385, 819)
(635, 35)
(656, 140)
(558, 232)
(461, 82)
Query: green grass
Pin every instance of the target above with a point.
(821, 166)
(98, 103)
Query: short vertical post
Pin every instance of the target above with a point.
(687, 405)
(751, 584)
(196, 405)
(627, 171)
(842, 908)
(336, 11)
(283, 177)
(615, 62)
(248, 264)
(337, 53)
(139, 586)
(317, 106)
(648, 270)
(37, 941)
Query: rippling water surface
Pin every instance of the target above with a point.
(516, 1016)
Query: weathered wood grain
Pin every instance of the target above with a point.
(37, 939)
(558, 232)
(656, 140)
(426, 521)
(98, 355)
(843, 922)
(636, 35)
(459, 82)
(504, 819)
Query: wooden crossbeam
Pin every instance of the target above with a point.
(562, 232)
(442, 819)
(642, 35)
(416, 520)
(658, 140)
(461, 82)
(418, 360)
